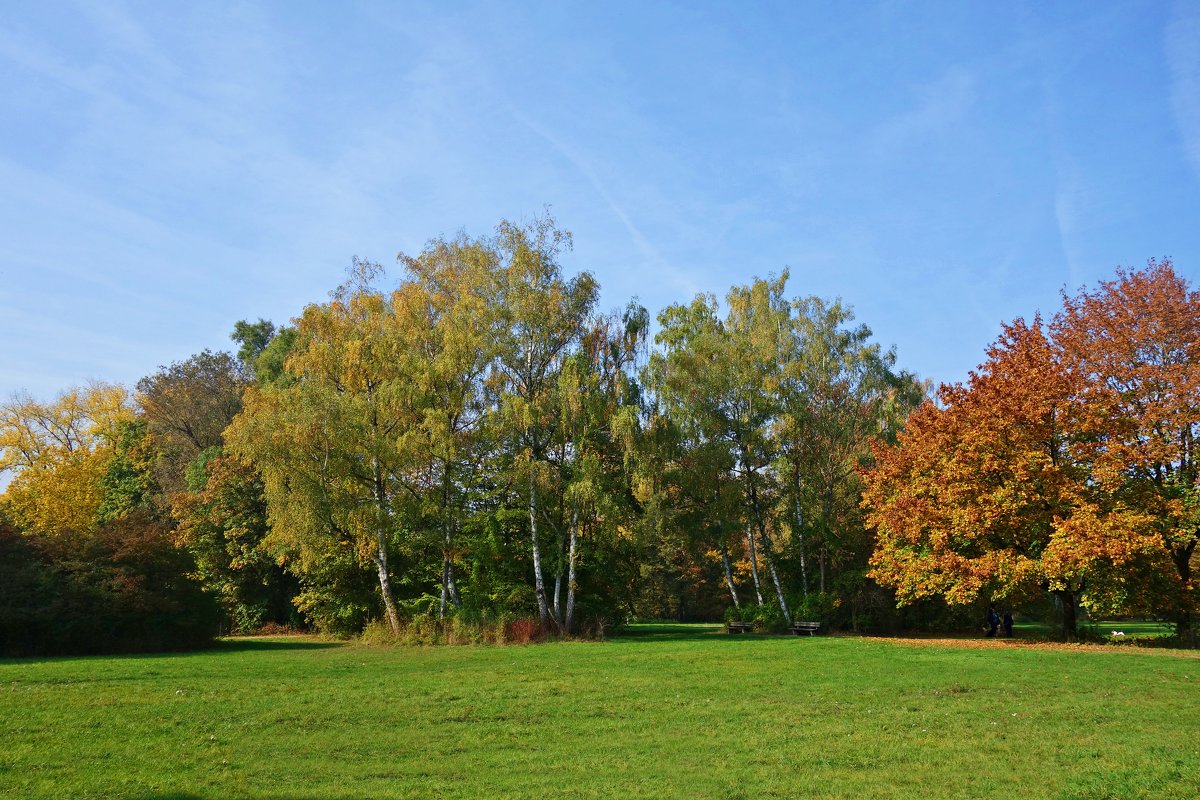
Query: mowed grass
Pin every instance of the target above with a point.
(665, 712)
(1114, 630)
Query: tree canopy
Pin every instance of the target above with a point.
(1064, 463)
(473, 441)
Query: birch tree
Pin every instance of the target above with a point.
(544, 318)
(447, 310)
(330, 446)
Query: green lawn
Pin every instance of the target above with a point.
(1141, 629)
(663, 712)
(1103, 629)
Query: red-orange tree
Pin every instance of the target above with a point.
(1133, 345)
(985, 495)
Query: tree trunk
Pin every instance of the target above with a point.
(539, 585)
(783, 606)
(1068, 602)
(445, 590)
(1182, 557)
(768, 557)
(449, 587)
(455, 597)
(729, 575)
(754, 563)
(800, 548)
(385, 585)
(381, 565)
(571, 585)
(557, 595)
(821, 562)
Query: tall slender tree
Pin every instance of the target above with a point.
(447, 310)
(545, 316)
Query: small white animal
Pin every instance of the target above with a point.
(1118, 633)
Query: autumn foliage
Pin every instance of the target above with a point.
(479, 444)
(1064, 463)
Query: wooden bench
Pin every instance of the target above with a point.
(740, 627)
(805, 627)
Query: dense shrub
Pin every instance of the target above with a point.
(426, 629)
(124, 587)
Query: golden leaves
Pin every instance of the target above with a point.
(58, 453)
(1064, 456)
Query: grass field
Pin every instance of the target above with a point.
(1130, 629)
(1103, 629)
(662, 712)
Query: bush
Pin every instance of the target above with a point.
(425, 630)
(819, 607)
(123, 588)
(523, 631)
(766, 618)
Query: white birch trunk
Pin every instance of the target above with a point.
(558, 594)
(783, 606)
(449, 587)
(381, 565)
(754, 564)
(570, 619)
(803, 551)
(729, 576)
(539, 585)
(385, 585)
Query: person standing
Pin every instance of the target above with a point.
(1008, 624)
(993, 621)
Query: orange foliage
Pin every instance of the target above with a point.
(1064, 458)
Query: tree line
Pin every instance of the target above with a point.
(478, 442)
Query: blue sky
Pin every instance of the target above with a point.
(941, 167)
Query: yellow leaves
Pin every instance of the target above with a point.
(643, 488)
(58, 453)
(65, 496)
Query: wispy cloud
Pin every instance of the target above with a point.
(939, 106)
(679, 278)
(1183, 60)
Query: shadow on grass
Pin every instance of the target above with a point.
(237, 644)
(680, 632)
(218, 648)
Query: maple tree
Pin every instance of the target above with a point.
(1134, 345)
(1062, 463)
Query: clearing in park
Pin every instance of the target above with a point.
(662, 711)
